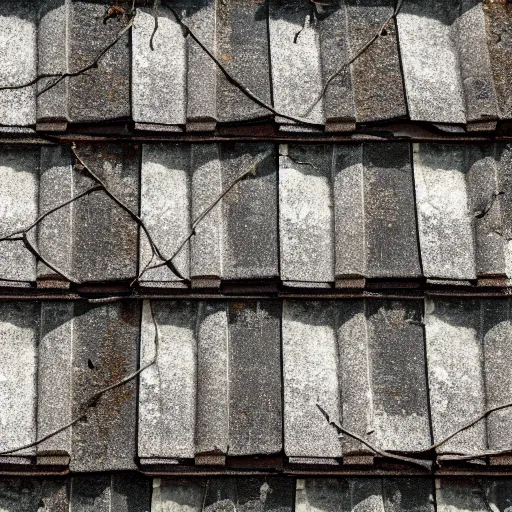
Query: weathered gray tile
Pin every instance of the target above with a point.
(349, 210)
(206, 244)
(18, 62)
(105, 350)
(255, 408)
(221, 372)
(19, 170)
(461, 495)
(445, 222)
(496, 338)
(345, 495)
(390, 223)
(20, 494)
(498, 20)
(375, 222)
(103, 93)
(33, 494)
(242, 47)
(396, 364)
(250, 211)
(319, 494)
(168, 388)
(475, 63)
(130, 493)
(89, 494)
(504, 161)
(55, 232)
(487, 200)
(498, 492)
(212, 415)
(220, 494)
(455, 372)
(249, 494)
(52, 42)
(54, 495)
(409, 494)
(355, 379)
(19, 332)
(306, 214)
(201, 70)
(295, 58)
(338, 100)
(177, 495)
(365, 494)
(364, 364)
(310, 376)
(430, 61)
(377, 78)
(105, 235)
(54, 390)
(382, 374)
(165, 208)
(159, 75)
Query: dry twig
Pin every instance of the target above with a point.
(425, 464)
(61, 76)
(355, 56)
(232, 79)
(250, 171)
(93, 400)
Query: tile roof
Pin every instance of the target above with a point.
(318, 215)
(441, 62)
(238, 378)
(328, 281)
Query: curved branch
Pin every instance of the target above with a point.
(61, 76)
(355, 56)
(251, 170)
(425, 464)
(95, 397)
(134, 216)
(49, 212)
(233, 80)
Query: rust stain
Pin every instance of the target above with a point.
(237, 306)
(392, 391)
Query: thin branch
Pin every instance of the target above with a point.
(482, 213)
(426, 464)
(467, 425)
(156, 5)
(93, 64)
(233, 80)
(95, 397)
(49, 212)
(358, 54)
(31, 246)
(61, 76)
(134, 216)
(250, 170)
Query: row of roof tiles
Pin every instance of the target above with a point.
(444, 62)
(310, 215)
(245, 378)
(129, 493)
